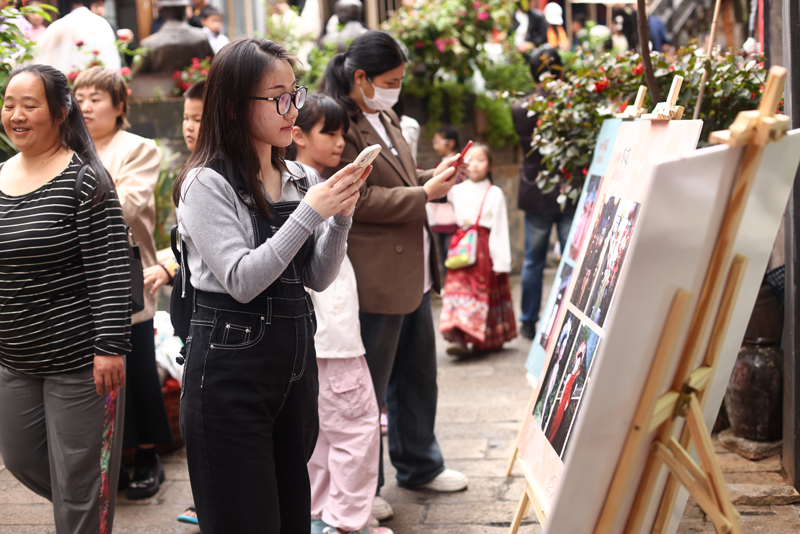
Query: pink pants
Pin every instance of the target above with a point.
(344, 467)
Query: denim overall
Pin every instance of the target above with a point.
(249, 402)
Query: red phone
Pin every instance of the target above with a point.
(463, 153)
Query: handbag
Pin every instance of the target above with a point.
(134, 256)
(465, 252)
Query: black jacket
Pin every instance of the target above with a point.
(531, 199)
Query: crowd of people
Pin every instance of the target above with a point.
(312, 283)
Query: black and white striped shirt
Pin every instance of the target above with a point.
(64, 277)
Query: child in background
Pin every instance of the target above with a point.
(164, 273)
(344, 467)
(211, 19)
(476, 301)
(37, 22)
(441, 217)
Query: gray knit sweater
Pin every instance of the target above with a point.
(218, 232)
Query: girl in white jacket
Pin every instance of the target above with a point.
(344, 467)
(476, 301)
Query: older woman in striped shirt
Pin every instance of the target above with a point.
(65, 307)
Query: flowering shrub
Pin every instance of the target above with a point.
(196, 72)
(603, 84)
(444, 39)
(92, 59)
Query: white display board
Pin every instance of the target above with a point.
(671, 249)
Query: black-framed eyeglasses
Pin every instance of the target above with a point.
(284, 100)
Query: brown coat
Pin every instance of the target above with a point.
(385, 244)
(134, 163)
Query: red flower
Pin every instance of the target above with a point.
(601, 85)
(538, 123)
(585, 171)
(185, 86)
(195, 63)
(204, 72)
(569, 104)
(123, 38)
(549, 104)
(79, 43)
(129, 92)
(577, 86)
(477, 4)
(419, 44)
(622, 106)
(483, 15)
(672, 68)
(638, 69)
(72, 75)
(96, 52)
(176, 76)
(752, 96)
(602, 69)
(124, 71)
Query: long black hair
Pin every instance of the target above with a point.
(374, 52)
(318, 108)
(224, 142)
(66, 113)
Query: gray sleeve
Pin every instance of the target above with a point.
(209, 214)
(330, 246)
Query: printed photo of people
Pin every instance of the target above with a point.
(573, 384)
(606, 283)
(555, 370)
(549, 322)
(594, 252)
(582, 226)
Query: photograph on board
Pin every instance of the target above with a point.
(594, 252)
(582, 224)
(572, 395)
(550, 319)
(556, 369)
(611, 265)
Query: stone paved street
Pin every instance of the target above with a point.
(481, 405)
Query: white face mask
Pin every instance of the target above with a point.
(383, 99)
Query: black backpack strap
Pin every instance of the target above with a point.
(174, 236)
(79, 183)
(302, 183)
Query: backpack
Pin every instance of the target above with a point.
(181, 301)
(134, 257)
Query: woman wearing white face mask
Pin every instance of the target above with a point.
(392, 253)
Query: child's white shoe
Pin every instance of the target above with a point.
(381, 509)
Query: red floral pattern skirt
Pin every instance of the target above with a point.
(477, 301)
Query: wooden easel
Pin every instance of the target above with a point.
(669, 110)
(690, 388)
(637, 109)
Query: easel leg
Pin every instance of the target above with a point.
(521, 512)
(513, 459)
(711, 359)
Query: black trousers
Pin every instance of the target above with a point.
(249, 413)
(146, 418)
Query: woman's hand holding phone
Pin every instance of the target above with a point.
(339, 193)
(461, 169)
(442, 182)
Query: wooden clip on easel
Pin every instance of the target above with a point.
(637, 109)
(669, 110)
(690, 388)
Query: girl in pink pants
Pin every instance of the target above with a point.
(344, 467)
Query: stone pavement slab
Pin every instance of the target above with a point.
(482, 400)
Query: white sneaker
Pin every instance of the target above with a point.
(381, 510)
(373, 522)
(447, 481)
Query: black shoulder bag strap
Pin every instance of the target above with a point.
(134, 257)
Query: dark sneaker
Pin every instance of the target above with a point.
(528, 330)
(146, 482)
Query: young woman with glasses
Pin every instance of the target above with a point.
(250, 223)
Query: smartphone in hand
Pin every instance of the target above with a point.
(463, 153)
